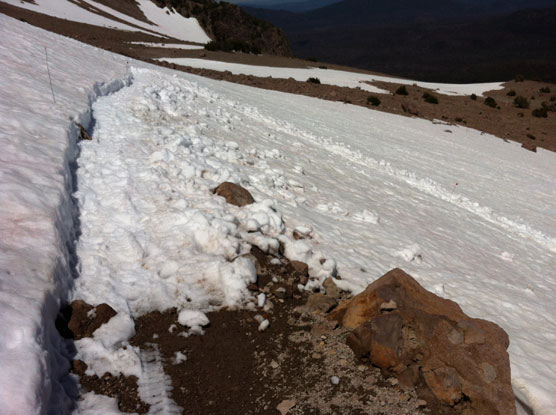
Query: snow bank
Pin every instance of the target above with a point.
(333, 77)
(37, 216)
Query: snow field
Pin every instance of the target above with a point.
(37, 228)
(333, 77)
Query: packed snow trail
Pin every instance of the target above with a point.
(151, 224)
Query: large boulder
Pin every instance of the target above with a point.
(234, 194)
(458, 364)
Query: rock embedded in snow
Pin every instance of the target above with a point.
(454, 361)
(234, 194)
(300, 267)
(331, 288)
(85, 318)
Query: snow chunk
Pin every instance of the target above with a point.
(193, 318)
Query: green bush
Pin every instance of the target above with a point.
(511, 93)
(374, 101)
(430, 98)
(314, 80)
(474, 97)
(545, 90)
(402, 90)
(521, 102)
(491, 102)
(540, 112)
(323, 67)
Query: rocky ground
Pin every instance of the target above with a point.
(285, 357)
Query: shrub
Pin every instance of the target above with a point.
(511, 93)
(312, 59)
(314, 80)
(531, 136)
(374, 101)
(540, 112)
(430, 98)
(474, 97)
(519, 78)
(459, 119)
(491, 102)
(549, 106)
(521, 102)
(322, 67)
(545, 90)
(402, 90)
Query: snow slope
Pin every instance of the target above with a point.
(165, 22)
(470, 216)
(333, 77)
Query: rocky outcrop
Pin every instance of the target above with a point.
(458, 364)
(234, 194)
(231, 27)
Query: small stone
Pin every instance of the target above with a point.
(274, 364)
(394, 381)
(421, 403)
(361, 368)
(331, 289)
(284, 406)
(264, 325)
(335, 380)
(316, 355)
(301, 267)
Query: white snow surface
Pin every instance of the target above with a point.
(165, 22)
(333, 77)
(172, 23)
(374, 190)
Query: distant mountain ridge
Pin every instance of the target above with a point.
(435, 40)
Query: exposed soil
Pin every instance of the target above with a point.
(233, 368)
(299, 364)
(123, 388)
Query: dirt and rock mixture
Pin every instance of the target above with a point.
(531, 121)
(285, 357)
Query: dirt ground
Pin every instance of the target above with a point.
(505, 120)
(299, 365)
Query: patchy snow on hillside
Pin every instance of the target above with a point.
(333, 77)
(373, 190)
(172, 23)
(165, 22)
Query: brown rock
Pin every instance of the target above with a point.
(300, 267)
(456, 363)
(85, 318)
(234, 194)
(320, 303)
(331, 288)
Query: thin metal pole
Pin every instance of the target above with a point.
(49, 78)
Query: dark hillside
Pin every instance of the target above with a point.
(228, 24)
